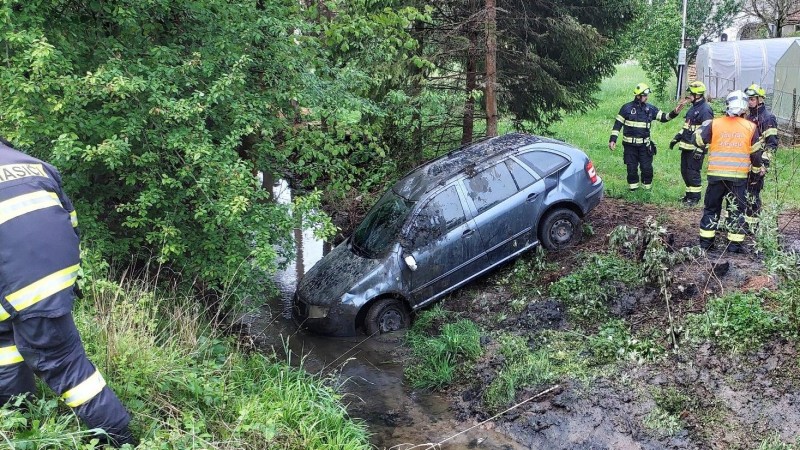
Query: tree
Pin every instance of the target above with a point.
(658, 45)
(553, 55)
(777, 12)
(159, 113)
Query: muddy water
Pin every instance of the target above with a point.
(368, 370)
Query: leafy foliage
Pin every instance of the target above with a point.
(160, 113)
(658, 34)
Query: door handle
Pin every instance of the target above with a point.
(533, 196)
(467, 232)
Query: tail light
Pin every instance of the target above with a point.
(591, 172)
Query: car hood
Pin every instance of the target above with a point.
(338, 272)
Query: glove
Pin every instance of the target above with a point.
(698, 154)
(674, 142)
(653, 149)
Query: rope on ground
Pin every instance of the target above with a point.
(438, 444)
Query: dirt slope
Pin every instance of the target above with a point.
(732, 402)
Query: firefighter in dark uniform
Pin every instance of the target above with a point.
(39, 263)
(692, 156)
(734, 150)
(768, 128)
(634, 120)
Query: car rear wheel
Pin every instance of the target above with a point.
(385, 316)
(560, 229)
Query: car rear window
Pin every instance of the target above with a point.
(544, 162)
(491, 186)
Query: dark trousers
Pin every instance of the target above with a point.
(52, 349)
(755, 183)
(690, 171)
(634, 157)
(716, 191)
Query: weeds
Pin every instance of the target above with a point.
(649, 246)
(614, 342)
(558, 355)
(736, 321)
(438, 358)
(524, 278)
(587, 289)
(186, 384)
(774, 442)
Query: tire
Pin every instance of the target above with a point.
(560, 229)
(386, 315)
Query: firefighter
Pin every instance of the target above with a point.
(634, 120)
(39, 263)
(692, 161)
(768, 129)
(734, 150)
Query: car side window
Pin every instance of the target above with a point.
(543, 162)
(441, 214)
(491, 186)
(521, 176)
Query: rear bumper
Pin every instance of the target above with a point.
(593, 197)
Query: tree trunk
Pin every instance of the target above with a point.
(491, 68)
(468, 123)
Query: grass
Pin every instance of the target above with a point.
(442, 349)
(590, 132)
(186, 384)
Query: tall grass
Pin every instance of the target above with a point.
(186, 384)
(590, 131)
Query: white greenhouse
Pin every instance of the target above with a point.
(786, 88)
(727, 66)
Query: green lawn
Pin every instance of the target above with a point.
(590, 132)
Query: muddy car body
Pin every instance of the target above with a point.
(443, 225)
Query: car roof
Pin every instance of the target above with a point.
(428, 176)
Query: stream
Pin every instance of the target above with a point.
(368, 370)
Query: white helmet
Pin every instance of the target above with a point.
(736, 103)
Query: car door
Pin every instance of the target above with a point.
(445, 245)
(505, 208)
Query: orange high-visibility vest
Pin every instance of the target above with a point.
(730, 148)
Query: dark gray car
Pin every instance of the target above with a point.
(445, 224)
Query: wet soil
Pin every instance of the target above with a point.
(731, 401)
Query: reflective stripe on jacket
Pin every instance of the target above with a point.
(767, 127)
(699, 113)
(634, 119)
(39, 256)
(732, 142)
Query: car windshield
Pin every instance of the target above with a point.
(381, 226)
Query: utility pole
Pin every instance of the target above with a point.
(491, 68)
(682, 57)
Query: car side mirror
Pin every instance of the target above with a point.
(411, 262)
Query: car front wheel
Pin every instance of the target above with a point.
(560, 229)
(385, 316)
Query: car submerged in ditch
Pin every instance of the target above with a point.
(445, 224)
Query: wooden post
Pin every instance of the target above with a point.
(491, 68)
